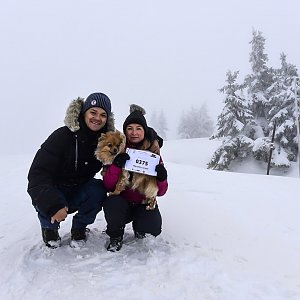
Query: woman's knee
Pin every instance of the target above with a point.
(115, 203)
(151, 224)
(156, 231)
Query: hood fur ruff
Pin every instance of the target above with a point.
(73, 112)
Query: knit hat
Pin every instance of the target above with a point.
(97, 100)
(136, 117)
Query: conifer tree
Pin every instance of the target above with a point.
(162, 127)
(195, 124)
(205, 122)
(239, 146)
(235, 114)
(247, 123)
(159, 123)
(261, 77)
(282, 113)
(153, 120)
(234, 124)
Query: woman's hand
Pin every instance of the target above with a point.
(120, 159)
(162, 173)
(60, 215)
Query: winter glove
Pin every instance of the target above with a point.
(121, 159)
(161, 172)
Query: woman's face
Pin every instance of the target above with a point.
(135, 133)
(95, 118)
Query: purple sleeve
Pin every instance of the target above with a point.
(162, 187)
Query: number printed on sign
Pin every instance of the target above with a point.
(141, 162)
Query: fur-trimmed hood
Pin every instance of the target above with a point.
(73, 112)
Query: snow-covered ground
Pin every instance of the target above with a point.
(226, 236)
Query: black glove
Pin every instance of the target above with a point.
(121, 159)
(161, 172)
(153, 136)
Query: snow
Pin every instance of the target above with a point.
(226, 236)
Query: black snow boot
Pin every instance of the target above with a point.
(115, 244)
(78, 234)
(139, 235)
(78, 237)
(51, 238)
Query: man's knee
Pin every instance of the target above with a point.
(97, 189)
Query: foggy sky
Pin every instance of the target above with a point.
(161, 54)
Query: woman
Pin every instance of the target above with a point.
(128, 206)
(61, 177)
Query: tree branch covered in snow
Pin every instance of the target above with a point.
(266, 97)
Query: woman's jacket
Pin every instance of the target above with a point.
(111, 178)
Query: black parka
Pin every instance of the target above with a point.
(66, 158)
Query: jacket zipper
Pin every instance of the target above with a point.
(76, 152)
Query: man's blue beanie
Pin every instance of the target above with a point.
(97, 100)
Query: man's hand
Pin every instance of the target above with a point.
(60, 215)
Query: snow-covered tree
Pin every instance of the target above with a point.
(232, 148)
(287, 69)
(247, 122)
(159, 123)
(235, 114)
(282, 113)
(196, 123)
(153, 120)
(234, 123)
(162, 127)
(261, 77)
(206, 125)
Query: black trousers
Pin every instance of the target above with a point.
(119, 212)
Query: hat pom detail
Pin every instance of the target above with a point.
(135, 107)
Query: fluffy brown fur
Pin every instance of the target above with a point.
(109, 145)
(113, 143)
(144, 183)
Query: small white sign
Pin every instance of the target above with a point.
(142, 161)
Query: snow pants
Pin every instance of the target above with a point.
(87, 199)
(119, 212)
